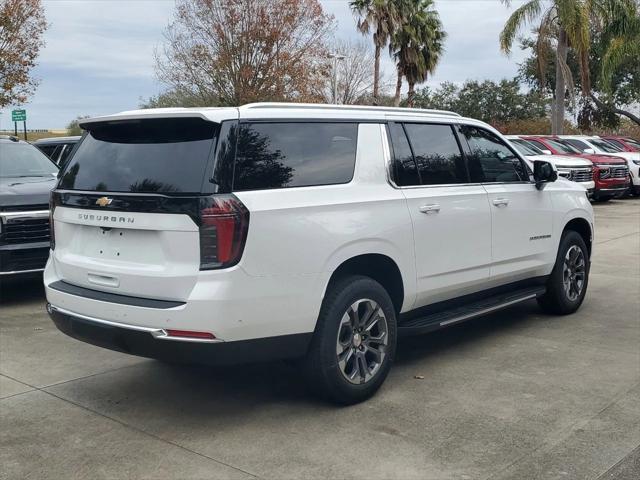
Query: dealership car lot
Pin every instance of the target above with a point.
(516, 394)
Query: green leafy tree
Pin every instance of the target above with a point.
(496, 103)
(383, 18)
(562, 26)
(416, 45)
(73, 127)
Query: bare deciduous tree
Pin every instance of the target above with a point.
(230, 52)
(354, 72)
(22, 24)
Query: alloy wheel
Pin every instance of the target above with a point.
(574, 272)
(361, 346)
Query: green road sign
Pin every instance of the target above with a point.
(18, 115)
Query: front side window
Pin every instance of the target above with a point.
(496, 161)
(437, 154)
(294, 154)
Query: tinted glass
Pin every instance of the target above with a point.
(24, 160)
(541, 146)
(65, 154)
(498, 163)
(606, 146)
(404, 166)
(155, 155)
(616, 144)
(562, 146)
(525, 148)
(437, 154)
(281, 155)
(47, 149)
(632, 142)
(581, 146)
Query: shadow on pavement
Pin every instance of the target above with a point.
(21, 289)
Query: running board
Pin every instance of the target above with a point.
(437, 320)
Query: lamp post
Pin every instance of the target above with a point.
(336, 57)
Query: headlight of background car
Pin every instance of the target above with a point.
(637, 162)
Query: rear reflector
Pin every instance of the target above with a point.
(224, 222)
(190, 334)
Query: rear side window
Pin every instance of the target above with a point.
(496, 161)
(404, 166)
(437, 154)
(47, 149)
(166, 155)
(294, 154)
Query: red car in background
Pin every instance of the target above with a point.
(610, 174)
(626, 144)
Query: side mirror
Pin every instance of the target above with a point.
(547, 152)
(543, 173)
(589, 151)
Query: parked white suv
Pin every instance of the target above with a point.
(594, 144)
(316, 232)
(576, 169)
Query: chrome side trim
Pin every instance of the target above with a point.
(487, 310)
(157, 333)
(15, 272)
(32, 213)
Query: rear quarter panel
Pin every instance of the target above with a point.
(307, 232)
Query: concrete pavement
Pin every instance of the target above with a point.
(513, 395)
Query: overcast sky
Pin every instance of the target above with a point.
(98, 57)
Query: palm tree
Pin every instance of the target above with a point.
(382, 17)
(566, 21)
(620, 36)
(417, 45)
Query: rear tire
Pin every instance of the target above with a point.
(354, 343)
(567, 284)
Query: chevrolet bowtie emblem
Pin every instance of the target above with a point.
(104, 201)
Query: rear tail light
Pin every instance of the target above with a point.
(52, 231)
(224, 223)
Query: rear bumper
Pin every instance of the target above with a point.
(149, 342)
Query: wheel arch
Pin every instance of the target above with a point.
(581, 226)
(381, 268)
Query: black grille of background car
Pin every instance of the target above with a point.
(26, 259)
(25, 230)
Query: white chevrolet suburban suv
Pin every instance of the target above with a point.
(316, 232)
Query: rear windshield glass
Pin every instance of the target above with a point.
(24, 160)
(147, 156)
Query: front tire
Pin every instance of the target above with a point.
(567, 284)
(354, 343)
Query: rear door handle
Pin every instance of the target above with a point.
(501, 202)
(433, 208)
